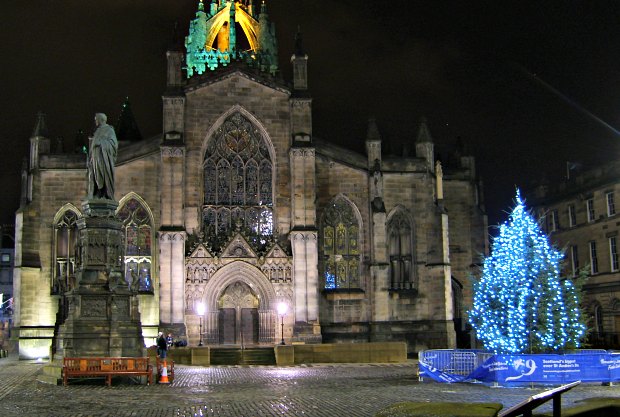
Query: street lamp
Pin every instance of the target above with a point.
(282, 307)
(201, 311)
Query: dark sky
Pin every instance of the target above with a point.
(482, 71)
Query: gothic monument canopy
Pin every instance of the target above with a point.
(212, 41)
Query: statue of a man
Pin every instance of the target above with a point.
(101, 160)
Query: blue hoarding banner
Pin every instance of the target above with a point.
(542, 368)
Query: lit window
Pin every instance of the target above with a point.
(611, 206)
(6, 258)
(238, 178)
(65, 239)
(137, 227)
(554, 223)
(400, 250)
(613, 253)
(590, 210)
(572, 217)
(340, 234)
(574, 258)
(593, 258)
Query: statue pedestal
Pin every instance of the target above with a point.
(103, 317)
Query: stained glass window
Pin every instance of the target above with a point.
(65, 238)
(137, 227)
(238, 175)
(340, 251)
(400, 251)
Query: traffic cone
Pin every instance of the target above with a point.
(164, 373)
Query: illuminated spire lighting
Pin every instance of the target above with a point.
(212, 39)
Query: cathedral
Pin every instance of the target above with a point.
(240, 227)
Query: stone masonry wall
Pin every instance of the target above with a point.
(333, 179)
(467, 234)
(414, 191)
(270, 107)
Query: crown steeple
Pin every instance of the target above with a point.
(212, 40)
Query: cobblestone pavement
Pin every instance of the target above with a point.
(317, 390)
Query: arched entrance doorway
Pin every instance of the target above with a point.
(238, 315)
(239, 302)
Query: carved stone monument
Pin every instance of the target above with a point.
(103, 317)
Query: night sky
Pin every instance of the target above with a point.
(526, 85)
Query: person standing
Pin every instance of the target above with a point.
(162, 346)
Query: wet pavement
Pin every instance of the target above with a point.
(235, 391)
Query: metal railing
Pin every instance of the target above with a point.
(454, 361)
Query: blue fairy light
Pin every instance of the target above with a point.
(520, 303)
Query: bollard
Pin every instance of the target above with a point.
(164, 373)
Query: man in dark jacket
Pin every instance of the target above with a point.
(162, 346)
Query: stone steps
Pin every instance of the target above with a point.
(237, 356)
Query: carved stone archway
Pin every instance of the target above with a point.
(250, 286)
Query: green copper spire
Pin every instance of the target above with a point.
(212, 38)
(268, 49)
(232, 31)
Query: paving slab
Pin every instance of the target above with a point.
(323, 390)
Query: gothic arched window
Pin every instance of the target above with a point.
(137, 228)
(238, 173)
(598, 320)
(400, 245)
(340, 245)
(65, 240)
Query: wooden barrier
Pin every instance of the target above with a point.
(106, 367)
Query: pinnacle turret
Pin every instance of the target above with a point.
(424, 134)
(126, 126)
(40, 127)
(373, 131)
(299, 44)
(424, 147)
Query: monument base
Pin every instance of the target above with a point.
(101, 323)
(103, 318)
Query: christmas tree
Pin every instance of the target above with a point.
(521, 305)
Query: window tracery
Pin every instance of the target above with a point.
(137, 227)
(401, 251)
(340, 248)
(65, 240)
(238, 175)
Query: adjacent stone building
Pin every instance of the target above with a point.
(581, 217)
(237, 208)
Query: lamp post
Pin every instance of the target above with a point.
(201, 311)
(282, 307)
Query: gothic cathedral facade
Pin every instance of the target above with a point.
(237, 219)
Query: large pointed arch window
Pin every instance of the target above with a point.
(137, 229)
(340, 236)
(238, 180)
(65, 240)
(400, 246)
